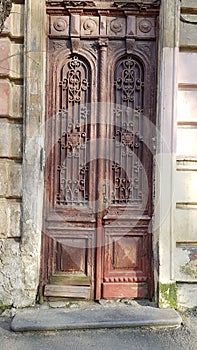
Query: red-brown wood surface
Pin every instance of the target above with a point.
(100, 117)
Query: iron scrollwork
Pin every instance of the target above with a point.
(73, 126)
(128, 83)
(74, 82)
(128, 131)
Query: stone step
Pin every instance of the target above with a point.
(94, 317)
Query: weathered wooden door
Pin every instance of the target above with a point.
(101, 90)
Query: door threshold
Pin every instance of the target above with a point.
(67, 291)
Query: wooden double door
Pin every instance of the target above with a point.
(98, 175)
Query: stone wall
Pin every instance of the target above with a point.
(11, 128)
(22, 112)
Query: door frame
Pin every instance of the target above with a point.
(33, 157)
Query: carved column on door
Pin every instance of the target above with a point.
(102, 98)
(101, 124)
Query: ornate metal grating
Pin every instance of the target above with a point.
(128, 131)
(73, 133)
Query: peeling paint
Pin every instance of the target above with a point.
(191, 267)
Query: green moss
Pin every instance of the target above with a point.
(168, 295)
(39, 296)
(5, 307)
(40, 299)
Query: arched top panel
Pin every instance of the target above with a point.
(62, 55)
(75, 81)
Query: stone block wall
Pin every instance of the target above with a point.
(185, 217)
(11, 129)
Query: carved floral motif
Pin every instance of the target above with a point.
(60, 24)
(128, 138)
(79, 3)
(90, 25)
(136, 4)
(145, 26)
(74, 139)
(116, 26)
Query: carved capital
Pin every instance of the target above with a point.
(103, 42)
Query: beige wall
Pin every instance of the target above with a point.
(177, 156)
(185, 218)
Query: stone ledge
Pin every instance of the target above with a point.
(189, 5)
